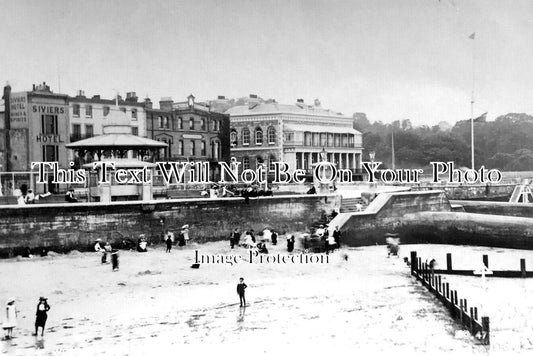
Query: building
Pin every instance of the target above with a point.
(36, 127)
(88, 116)
(266, 132)
(191, 130)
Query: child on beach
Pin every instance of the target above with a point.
(240, 291)
(10, 321)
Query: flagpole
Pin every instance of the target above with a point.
(393, 158)
(472, 36)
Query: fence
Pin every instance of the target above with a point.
(457, 307)
(522, 273)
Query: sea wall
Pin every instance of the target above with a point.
(496, 208)
(62, 227)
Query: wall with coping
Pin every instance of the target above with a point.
(62, 227)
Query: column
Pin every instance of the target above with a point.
(354, 161)
(341, 161)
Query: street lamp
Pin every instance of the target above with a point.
(372, 155)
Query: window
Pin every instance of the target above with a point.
(50, 153)
(258, 161)
(308, 138)
(193, 144)
(134, 114)
(316, 138)
(330, 139)
(160, 122)
(233, 138)
(258, 136)
(49, 124)
(135, 131)
(323, 139)
(89, 131)
(191, 123)
(350, 141)
(271, 133)
(202, 127)
(245, 136)
(213, 125)
(245, 163)
(106, 111)
(180, 123)
(289, 136)
(180, 147)
(271, 161)
(88, 111)
(202, 147)
(76, 132)
(76, 110)
(337, 140)
(344, 141)
(166, 123)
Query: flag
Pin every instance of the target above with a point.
(482, 118)
(472, 36)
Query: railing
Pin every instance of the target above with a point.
(457, 307)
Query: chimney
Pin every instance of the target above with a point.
(253, 96)
(300, 101)
(96, 97)
(80, 94)
(131, 97)
(221, 97)
(166, 103)
(317, 103)
(147, 103)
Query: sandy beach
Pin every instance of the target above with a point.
(156, 303)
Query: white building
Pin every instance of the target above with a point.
(265, 132)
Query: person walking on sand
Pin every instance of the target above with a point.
(337, 236)
(42, 314)
(184, 235)
(169, 243)
(10, 321)
(240, 291)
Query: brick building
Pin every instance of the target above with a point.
(265, 132)
(192, 131)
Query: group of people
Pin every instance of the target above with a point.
(183, 238)
(331, 240)
(27, 196)
(105, 250)
(11, 315)
(247, 239)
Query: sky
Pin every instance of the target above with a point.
(391, 59)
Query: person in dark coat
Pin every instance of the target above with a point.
(114, 260)
(240, 291)
(41, 315)
(337, 236)
(274, 237)
(169, 243)
(234, 238)
(290, 243)
(251, 232)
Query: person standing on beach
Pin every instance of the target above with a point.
(10, 321)
(42, 314)
(240, 291)
(234, 238)
(337, 236)
(169, 243)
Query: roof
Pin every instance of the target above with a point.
(124, 163)
(320, 128)
(277, 108)
(117, 140)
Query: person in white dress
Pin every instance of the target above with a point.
(10, 318)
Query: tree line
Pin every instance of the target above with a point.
(505, 143)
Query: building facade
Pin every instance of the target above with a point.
(266, 132)
(192, 131)
(36, 127)
(88, 116)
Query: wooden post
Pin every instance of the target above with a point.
(523, 267)
(466, 306)
(486, 260)
(471, 320)
(455, 296)
(475, 313)
(461, 310)
(449, 261)
(447, 290)
(413, 261)
(440, 285)
(419, 265)
(485, 325)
